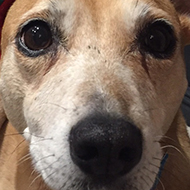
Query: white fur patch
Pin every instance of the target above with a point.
(188, 130)
(26, 134)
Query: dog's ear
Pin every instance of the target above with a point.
(183, 9)
(182, 6)
(2, 114)
(185, 28)
(4, 7)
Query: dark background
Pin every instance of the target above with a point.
(186, 101)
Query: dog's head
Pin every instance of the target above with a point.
(97, 84)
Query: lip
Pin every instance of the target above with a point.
(110, 181)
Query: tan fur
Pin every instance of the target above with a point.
(16, 169)
(104, 39)
(176, 143)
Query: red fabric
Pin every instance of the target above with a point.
(4, 7)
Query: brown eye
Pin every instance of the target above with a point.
(35, 37)
(158, 39)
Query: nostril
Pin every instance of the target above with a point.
(105, 146)
(87, 153)
(127, 154)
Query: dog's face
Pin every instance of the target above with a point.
(97, 84)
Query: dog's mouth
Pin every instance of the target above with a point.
(110, 182)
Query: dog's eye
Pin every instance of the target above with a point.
(36, 36)
(158, 39)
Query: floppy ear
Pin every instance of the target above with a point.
(185, 28)
(182, 6)
(4, 7)
(183, 9)
(2, 114)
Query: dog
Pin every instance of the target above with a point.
(96, 87)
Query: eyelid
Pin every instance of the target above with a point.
(163, 20)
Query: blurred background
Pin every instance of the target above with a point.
(186, 101)
(183, 6)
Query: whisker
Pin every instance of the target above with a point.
(160, 181)
(159, 159)
(148, 175)
(36, 161)
(49, 165)
(24, 160)
(40, 140)
(57, 105)
(144, 179)
(166, 170)
(54, 171)
(24, 157)
(34, 135)
(34, 180)
(13, 134)
(53, 104)
(162, 137)
(27, 155)
(158, 167)
(28, 158)
(18, 146)
(50, 175)
(175, 148)
(22, 133)
(166, 137)
(33, 172)
(157, 178)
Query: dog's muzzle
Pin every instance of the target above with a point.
(105, 147)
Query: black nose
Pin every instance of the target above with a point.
(103, 146)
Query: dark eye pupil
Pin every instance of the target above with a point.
(157, 40)
(37, 36)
